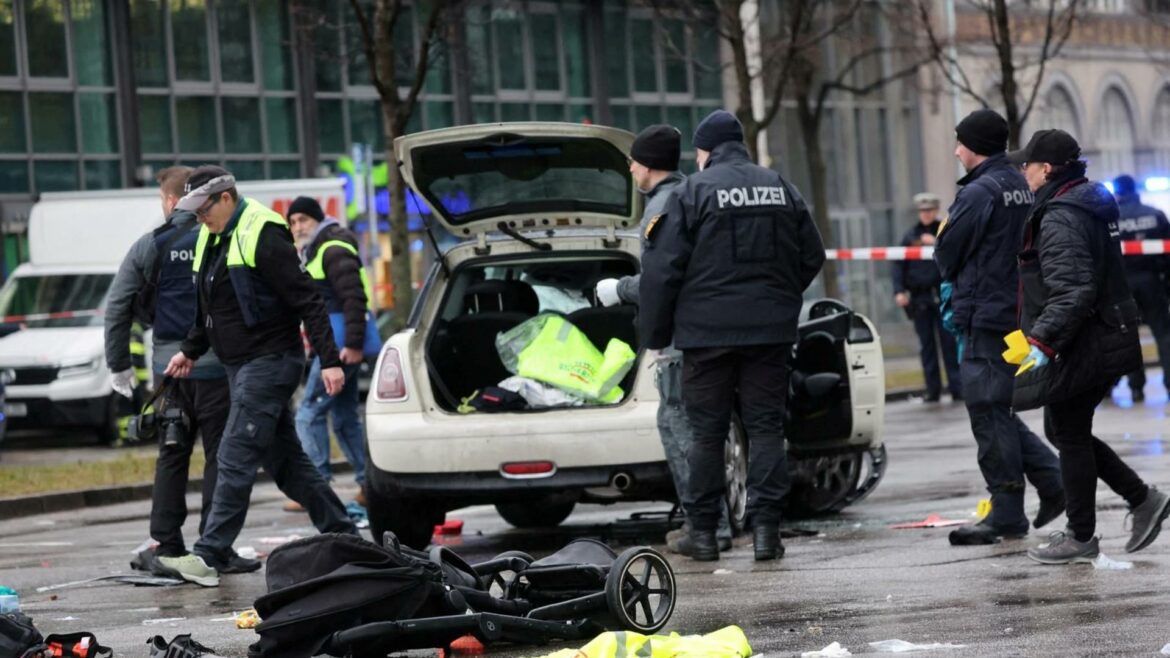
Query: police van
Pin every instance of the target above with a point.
(545, 211)
(52, 353)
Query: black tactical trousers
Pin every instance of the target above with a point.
(714, 381)
(1084, 458)
(205, 403)
(1150, 295)
(260, 432)
(931, 338)
(1008, 451)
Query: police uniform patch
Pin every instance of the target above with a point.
(650, 226)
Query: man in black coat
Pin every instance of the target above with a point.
(976, 249)
(1077, 308)
(1146, 275)
(916, 284)
(723, 271)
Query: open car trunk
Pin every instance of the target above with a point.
(490, 296)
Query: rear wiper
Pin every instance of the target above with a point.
(513, 233)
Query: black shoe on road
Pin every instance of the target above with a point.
(683, 546)
(766, 539)
(1139, 396)
(704, 546)
(1050, 509)
(1147, 520)
(238, 564)
(982, 534)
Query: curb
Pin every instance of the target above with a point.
(65, 501)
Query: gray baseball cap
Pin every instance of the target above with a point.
(202, 184)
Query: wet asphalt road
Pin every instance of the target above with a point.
(857, 581)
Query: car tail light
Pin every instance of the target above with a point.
(391, 378)
(528, 469)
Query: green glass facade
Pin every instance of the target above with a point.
(98, 94)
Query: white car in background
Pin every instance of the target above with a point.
(546, 210)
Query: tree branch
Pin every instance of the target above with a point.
(368, 43)
(421, 66)
(1069, 18)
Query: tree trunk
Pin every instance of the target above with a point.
(736, 37)
(1009, 89)
(810, 131)
(401, 277)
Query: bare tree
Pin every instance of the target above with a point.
(1020, 58)
(384, 58)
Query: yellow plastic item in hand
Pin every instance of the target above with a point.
(1018, 348)
(727, 642)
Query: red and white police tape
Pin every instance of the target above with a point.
(1128, 248)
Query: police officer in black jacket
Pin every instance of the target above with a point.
(1146, 274)
(976, 252)
(723, 272)
(252, 296)
(916, 284)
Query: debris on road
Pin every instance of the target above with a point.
(168, 620)
(722, 572)
(125, 579)
(834, 650)
(277, 541)
(248, 619)
(1103, 563)
(931, 521)
(902, 646)
(1166, 649)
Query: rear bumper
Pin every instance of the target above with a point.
(648, 481)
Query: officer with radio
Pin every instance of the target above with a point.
(724, 267)
(153, 286)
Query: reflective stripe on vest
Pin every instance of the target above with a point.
(256, 299)
(316, 267)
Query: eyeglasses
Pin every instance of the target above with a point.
(202, 212)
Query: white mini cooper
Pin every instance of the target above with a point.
(545, 211)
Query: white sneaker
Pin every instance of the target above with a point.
(192, 569)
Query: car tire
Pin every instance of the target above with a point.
(413, 521)
(826, 486)
(735, 464)
(545, 512)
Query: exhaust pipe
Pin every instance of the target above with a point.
(622, 481)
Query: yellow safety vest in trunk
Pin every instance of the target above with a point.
(549, 349)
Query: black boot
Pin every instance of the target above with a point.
(1050, 508)
(767, 542)
(704, 547)
(982, 534)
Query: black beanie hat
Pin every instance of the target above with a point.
(983, 131)
(657, 147)
(307, 206)
(719, 126)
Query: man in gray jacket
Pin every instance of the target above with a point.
(154, 286)
(654, 160)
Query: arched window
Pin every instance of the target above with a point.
(1115, 137)
(1056, 110)
(1160, 131)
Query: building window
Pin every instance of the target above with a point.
(1115, 137)
(44, 26)
(1056, 110)
(7, 38)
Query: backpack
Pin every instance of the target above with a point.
(19, 637)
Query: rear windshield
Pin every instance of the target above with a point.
(477, 180)
(56, 300)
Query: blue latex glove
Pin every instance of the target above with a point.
(1036, 357)
(946, 310)
(961, 342)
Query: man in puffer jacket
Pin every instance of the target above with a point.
(1080, 319)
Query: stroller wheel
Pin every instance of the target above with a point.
(503, 584)
(640, 590)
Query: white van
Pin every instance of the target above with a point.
(52, 307)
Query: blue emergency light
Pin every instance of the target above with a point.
(1151, 184)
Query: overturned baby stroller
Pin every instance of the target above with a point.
(341, 595)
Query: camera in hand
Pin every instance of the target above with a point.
(169, 424)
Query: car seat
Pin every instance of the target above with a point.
(490, 307)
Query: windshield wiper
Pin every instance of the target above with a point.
(513, 233)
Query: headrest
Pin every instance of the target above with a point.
(501, 296)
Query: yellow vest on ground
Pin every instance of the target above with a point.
(727, 642)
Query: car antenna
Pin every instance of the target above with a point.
(513, 233)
